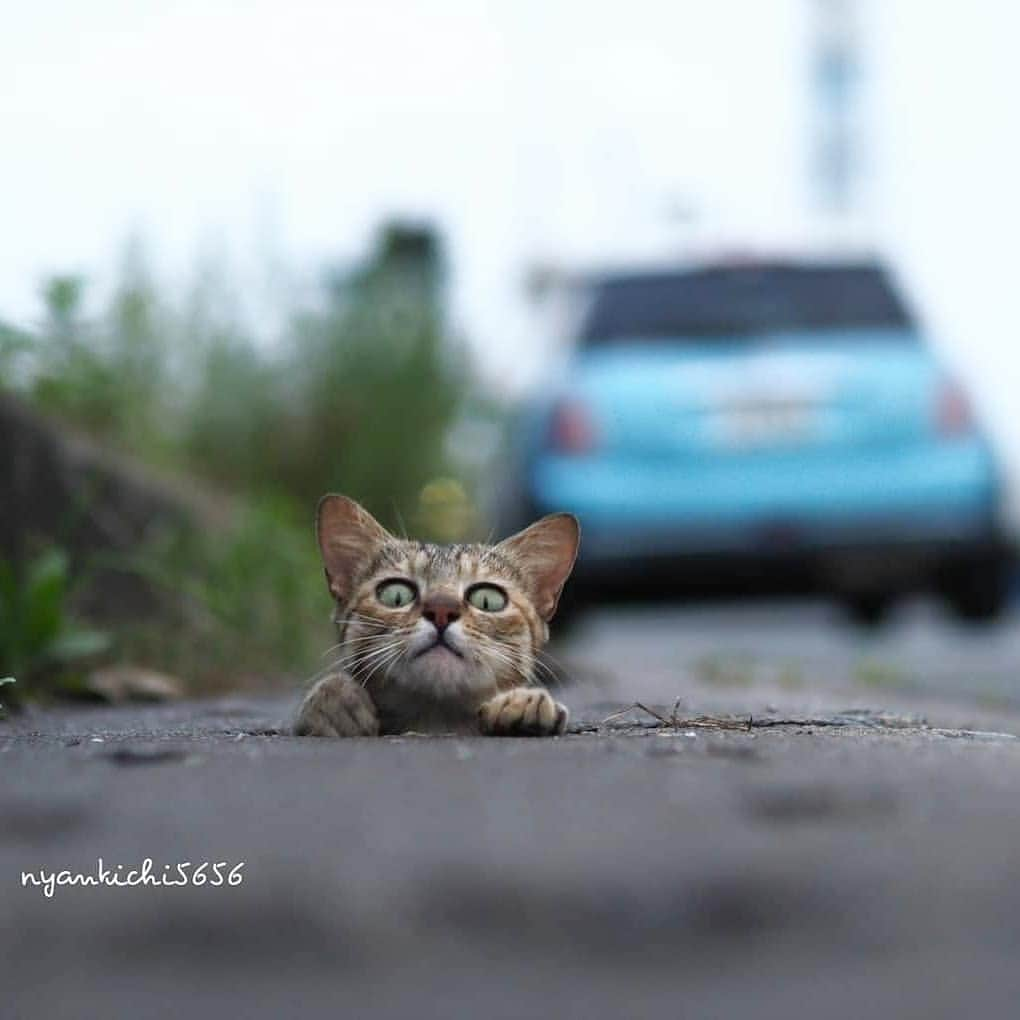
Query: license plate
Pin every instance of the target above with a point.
(752, 423)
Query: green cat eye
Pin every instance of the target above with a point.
(488, 598)
(396, 594)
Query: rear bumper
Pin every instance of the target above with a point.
(906, 514)
(942, 530)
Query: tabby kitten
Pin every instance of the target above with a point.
(437, 639)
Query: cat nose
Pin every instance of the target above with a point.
(441, 610)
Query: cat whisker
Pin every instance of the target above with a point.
(400, 522)
(376, 644)
(558, 673)
(366, 622)
(542, 670)
(353, 614)
(377, 654)
(491, 648)
(331, 649)
(553, 677)
(384, 658)
(384, 664)
(369, 638)
(357, 662)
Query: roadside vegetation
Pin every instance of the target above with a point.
(360, 391)
(41, 645)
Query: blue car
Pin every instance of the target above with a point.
(756, 426)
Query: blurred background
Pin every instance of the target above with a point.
(732, 281)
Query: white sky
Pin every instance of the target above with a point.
(279, 133)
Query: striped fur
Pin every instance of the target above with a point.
(485, 678)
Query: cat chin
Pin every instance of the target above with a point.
(439, 673)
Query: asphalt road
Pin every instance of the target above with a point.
(804, 860)
(796, 652)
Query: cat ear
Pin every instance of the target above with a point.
(349, 537)
(545, 552)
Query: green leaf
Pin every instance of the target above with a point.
(45, 590)
(5, 680)
(77, 643)
(46, 568)
(8, 587)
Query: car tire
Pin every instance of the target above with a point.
(869, 609)
(977, 592)
(571, 606)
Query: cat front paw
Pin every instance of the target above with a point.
(337, 707)
(523, 712)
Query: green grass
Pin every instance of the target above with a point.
(40, 641)
(251, 600)
(3, 681)
(358, 392)
(878, 675)
(726, 670)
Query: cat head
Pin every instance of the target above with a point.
(447, 620)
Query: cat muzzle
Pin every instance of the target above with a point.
(439, 643)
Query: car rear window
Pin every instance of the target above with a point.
(741, 300)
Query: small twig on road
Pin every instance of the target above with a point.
(704, 722)
(630, 708)
(617, 715)
(652, 712)
(674, 715)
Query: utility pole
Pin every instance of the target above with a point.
(835, 129)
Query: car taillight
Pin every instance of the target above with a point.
(954, 415)
(571, 429)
